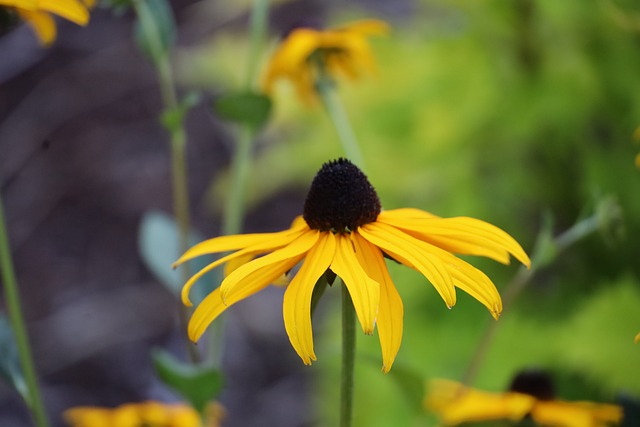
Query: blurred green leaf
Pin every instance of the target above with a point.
(199, 385)
(10, 369)
(248, 108)
(172, 118)
(155, 29)
(158, 246)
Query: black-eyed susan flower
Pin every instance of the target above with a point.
(344, 229)
(145, 414)
(305, 53)
(39, 14)
(531, 395)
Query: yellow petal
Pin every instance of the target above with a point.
(390, 311)
(262, 242)
(23, 4)
(460, 235)
(411, 252)
(296, 248)
(42, 23)
(365, 292)
(456, 404)
(232, 265)
(212, 306)
(576, 414)
(296, 307)
(366, 27)
(72, 10)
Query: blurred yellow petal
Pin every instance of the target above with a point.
(456, 404)
(390, 311)
(366, 27)
(296, 307)
(88, 416)
(72, 10)
(637, 338)
(24, 4)
(575, 414)
(42, 23)
(408, 251)
(365, 292)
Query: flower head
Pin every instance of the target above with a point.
(345, 230)
(146, 414)
(531, 395)
(38, 14)
(306, 52)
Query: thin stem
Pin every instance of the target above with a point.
(523, 277)
(178, 145)
(235, 206)
(16, 318)
(325, 88)
(348, 358)
(258, 30)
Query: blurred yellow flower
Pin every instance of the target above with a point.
(637, 339)
(343, 229)
(457, 404)
(38, 14)
(306, 52)
(146, 414)
(636, 137)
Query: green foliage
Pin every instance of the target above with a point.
(158, 243)
(250, 109)
(198, 384)
(155, 30)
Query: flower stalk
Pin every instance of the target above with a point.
(348, 358)
(325, 87)
(174, 124)
(12, 298)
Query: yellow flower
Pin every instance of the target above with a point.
(637, 338)
(531, 395)
(343, 229)
(342, 51)
(636, 137)
(146, 414)
(38, 14)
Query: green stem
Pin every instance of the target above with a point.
(348, 358)
(258, 30)
(178, 146)
(19, 329)
(325, 88)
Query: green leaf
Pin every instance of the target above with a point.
(172, 118)
(158, 246)
(247, 108)
(10, 369)
(199, 385)
(155, 29)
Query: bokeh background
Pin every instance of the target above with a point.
(511, 112)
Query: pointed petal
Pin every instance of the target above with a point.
(462, 235)
(42, 23)
(296, 307)
(212, 306)
(364, 291)
(295, 249)
(390, 311)
(259, 242)
(412, 253)
(72, 10)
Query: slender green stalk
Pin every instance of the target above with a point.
(348, 358)
(325, 88)
(16, 318)
(240, 164)
(523, 277)
(178, 144)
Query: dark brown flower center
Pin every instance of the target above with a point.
(535, 383)
(340, 199)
